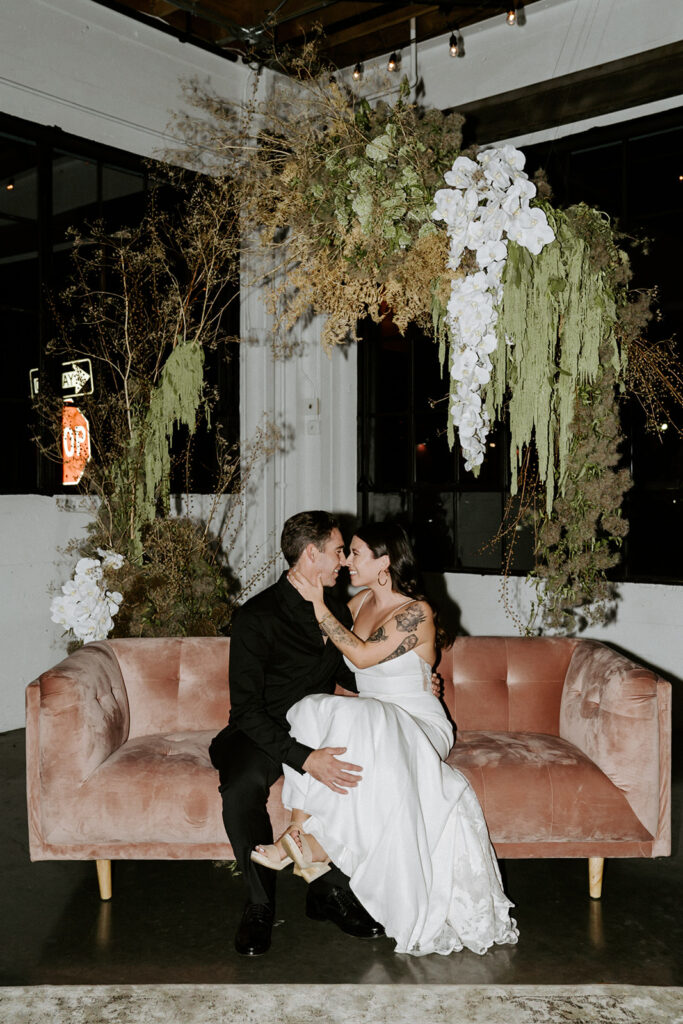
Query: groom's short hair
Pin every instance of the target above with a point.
(306, 528)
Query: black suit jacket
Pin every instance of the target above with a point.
(278, 656)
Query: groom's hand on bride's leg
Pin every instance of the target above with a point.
(339, 776)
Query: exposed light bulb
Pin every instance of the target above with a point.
(10, 185)
(393, 63)
(453, 45)
(511, 16)
(357, 72)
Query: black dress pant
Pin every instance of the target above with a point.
(246, 774)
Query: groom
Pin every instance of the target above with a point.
(277, 656)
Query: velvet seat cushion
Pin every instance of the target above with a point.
(153, 789)
(534, 788)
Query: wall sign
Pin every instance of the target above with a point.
(77, 378)
(75, 444)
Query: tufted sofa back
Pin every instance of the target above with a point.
(506, 684)
(174, 684)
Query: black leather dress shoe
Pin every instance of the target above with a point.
(253, 934)
(342, 908)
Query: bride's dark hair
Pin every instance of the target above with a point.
(392, 540)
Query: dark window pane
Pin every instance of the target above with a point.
(433, 529)
(391, 452)
(74, 185)
(434, 462)
(392, 378)
(19, 310)
(596, 176)
(655, 540)
(387, 505)
(654, 158)
(479, 516)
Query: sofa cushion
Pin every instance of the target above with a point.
(534, 788)
(153, 789)
(506, 683)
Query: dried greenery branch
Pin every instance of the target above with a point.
(340, 195)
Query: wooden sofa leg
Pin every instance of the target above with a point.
(595, 868)
(104, 878)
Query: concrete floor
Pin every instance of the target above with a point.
(174, 921)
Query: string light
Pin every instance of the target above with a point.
(393, 63)
(357, 73)
(512, 14)
(453, 45)
(10, 185)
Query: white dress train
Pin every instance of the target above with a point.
(411, 836)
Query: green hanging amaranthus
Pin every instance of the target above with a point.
(556, 315)
(174, 402)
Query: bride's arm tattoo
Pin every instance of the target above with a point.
(410, 619)
(405, 646)
(377, 637)
(338, 634)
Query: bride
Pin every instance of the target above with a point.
(411, 835)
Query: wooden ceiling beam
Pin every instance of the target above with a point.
(155, 8)
(334, 38)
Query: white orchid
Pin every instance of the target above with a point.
(487, 199)
(110, 559)
(462, 172)
(491, 252)
(85, 606)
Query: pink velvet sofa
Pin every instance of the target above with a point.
(566, 743)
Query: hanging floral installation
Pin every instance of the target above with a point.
(367, 210)
(337, 207)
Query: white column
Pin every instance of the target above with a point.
(312, 398)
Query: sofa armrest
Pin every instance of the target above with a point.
(619, 714)
(81, 716)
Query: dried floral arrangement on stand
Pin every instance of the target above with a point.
(146, 304)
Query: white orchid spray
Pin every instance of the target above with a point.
(486, 205)
(86, 606)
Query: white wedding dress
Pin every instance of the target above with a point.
(411, 836)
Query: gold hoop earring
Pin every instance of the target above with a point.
(386, 577)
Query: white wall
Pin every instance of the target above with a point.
(101, 75)
(34, 531)
(558, 38)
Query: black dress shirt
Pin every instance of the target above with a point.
(278, 656)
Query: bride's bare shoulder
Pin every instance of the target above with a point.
(357, 600)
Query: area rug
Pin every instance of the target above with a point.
(341, 1004)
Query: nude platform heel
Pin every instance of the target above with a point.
(305, 866)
